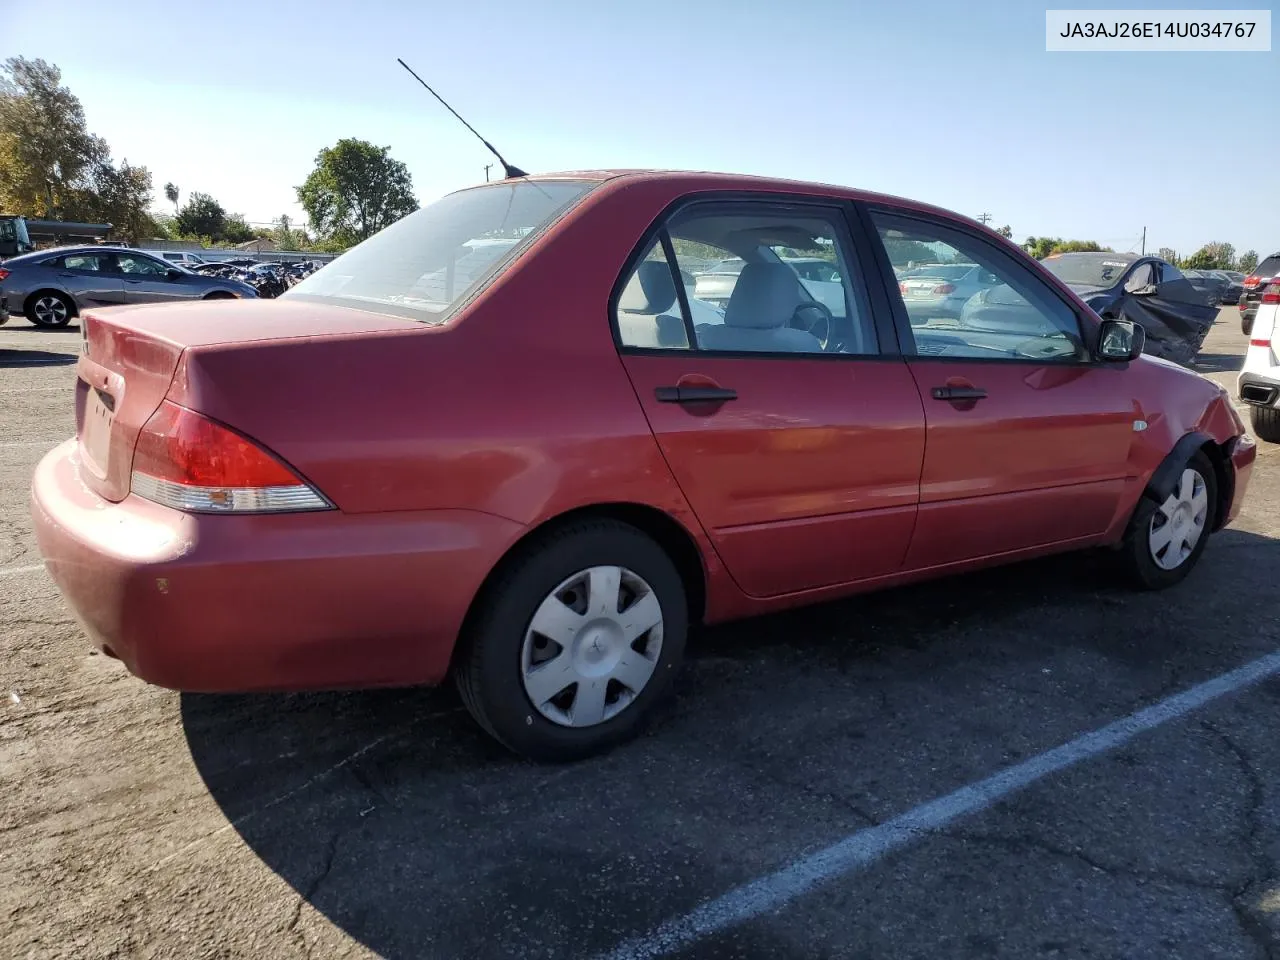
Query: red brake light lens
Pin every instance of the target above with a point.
(1251, 281)
(189, 462)
(1271, 294)
(943, 289)
(3, 274)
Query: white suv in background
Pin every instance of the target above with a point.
(1259, 382)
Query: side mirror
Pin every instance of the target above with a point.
(1120, 340)
(173, 274)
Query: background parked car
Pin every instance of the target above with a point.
(1146, 290)
(940, 290)
(1235, 285)
(182, 258)
(1263, 275)
(52, 286)
(1209, 283)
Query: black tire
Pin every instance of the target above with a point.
(220, 295)
(34, 301)
(1266, 423)
(1246, 325)
(488, 668)
(1136, 556)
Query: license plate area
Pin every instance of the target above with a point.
(95, 435)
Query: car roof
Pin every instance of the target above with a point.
(698, 180)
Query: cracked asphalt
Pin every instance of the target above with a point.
(135, 822)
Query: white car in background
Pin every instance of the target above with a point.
(1259, 381)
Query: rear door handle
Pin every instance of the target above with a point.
(694, 394)
(958, 393)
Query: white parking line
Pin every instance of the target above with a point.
(865, 847)
(14, 571)
(31, 443)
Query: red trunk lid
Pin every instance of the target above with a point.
(129, 355)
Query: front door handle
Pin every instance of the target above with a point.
(694, 394)
(958, 393)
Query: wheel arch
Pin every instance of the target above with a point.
(1165, 477)
(669, 533)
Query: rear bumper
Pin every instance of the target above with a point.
(1259, 390)
(287, 602)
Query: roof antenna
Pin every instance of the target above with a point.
(507, 168)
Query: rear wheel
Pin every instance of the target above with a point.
(1165, 540)
(49, 308)
(1266, 423)
(575, 642)
(1246, 325)
(220, 295)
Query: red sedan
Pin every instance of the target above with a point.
(504, 439)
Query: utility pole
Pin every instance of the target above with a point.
(486, 172)
(984, 218)
(1144, 241)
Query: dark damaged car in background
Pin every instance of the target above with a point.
(1121, 286)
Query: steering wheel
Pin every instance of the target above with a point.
(816, 318)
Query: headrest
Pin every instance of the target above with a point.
(650, 290)
(765, 296)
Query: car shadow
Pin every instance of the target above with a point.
(22, 325)
(1218, 362)
(34, 358)
(393, 815)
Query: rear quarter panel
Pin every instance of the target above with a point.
(519, 408)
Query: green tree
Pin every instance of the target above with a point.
(202, 216)
(355, 190)
(171, 194)
(119, 196)
(1168, 254)
(1040, 247)
(47, 154)
(1247, 261)
(236, 230)
(1212, 256)
(1006, 231)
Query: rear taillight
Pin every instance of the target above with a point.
(1272, 293)
(942, 289)
(1251, 282)
(3, 274)
(902, 288)
(187, 461)
(1259, 343)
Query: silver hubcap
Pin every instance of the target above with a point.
(592, 646)
(50, 310)
(1178, 525)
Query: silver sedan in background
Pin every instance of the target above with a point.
(50, 287)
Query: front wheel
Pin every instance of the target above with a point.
(1165, 540)
(575, 642)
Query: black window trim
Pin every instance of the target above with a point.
(1087, 328)
(858, 251)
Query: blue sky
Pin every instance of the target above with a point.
(953, 103)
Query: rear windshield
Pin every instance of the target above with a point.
(1269, 267)
(1088, 269)
(423, 265)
